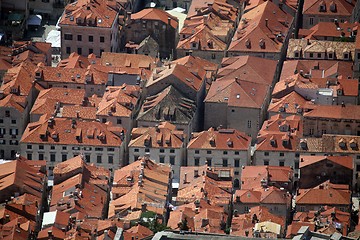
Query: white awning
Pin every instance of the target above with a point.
(54, 38)
(34, 20)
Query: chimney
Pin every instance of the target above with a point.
(169, 21)
(342, 104)
(50, 233)
(185, 178)
(266, 22)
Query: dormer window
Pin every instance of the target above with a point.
(346, 55)
(330, 55)
(332, 7)
(248, 43)
(296, 54)
(339, 92)
(194, 45)
(78, 20)
(262, 43)
(322, 7)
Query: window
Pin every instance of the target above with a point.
(101, 51)
(296, 54)
(99, 149)
(64, 157)
(111, 149)
(7, 113)
(52, 147)
(197, 151)
(213, 56)
(79, 50)
(224, 162)
(330, 55)
(64, 147)
(2, 131)
(110, 159)
(87, 158)
(147, 150)
(311, 21)
(1, 120)
(172, 160)
(296, 164)
(29, 147)
(52, 157)
(281, 163)
(249, 123)
(319, 55)
(237, 152)
(2, 142)
(236, 173)
(266, 162)
(225, 152)
(41, 156)
(136, 150)
(297, 155)
(194, 44)
(91, 38)
(41, 146)
(172, 150)
(13, 121)
(311, 131)
(98, 159)
(196, 161)
(91, 51)
(266, 153)
(311, 55)
(68, 36)
(14, 142)
(208, 162)
(79, 38)
(102, 39)
(237, 163)
(208, 152)
(118, 121)
(281, 154)
(68, 50)
(29, 156)
(14, 131)
(162, 159)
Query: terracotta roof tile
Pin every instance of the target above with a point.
(146, 182)
(345, 161)
(101, 13)
(259, 30)
(163, 136)
(223, 139)
(64, 131)
(349, 112)
(155, 14)
(138, 231)
(237, 93)
(342, 7)
(128, 60)
(324, 194)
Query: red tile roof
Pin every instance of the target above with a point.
(248, 68)
(163, 136)
(155, 14)
(262, 29)
(277, 124)
(200, 216)
(341, 7)
(237, 93)
(119, 101)
(345, 161)
(144, 182)
(67, 131)
(324, 194)
(19, 176)
(124, 60)
(91, 14)
(223, 139)
(137, 232)
(348, 112)
(292, 103)
(246, 222)
(328, 29)
(270, 195)
(255, 177)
